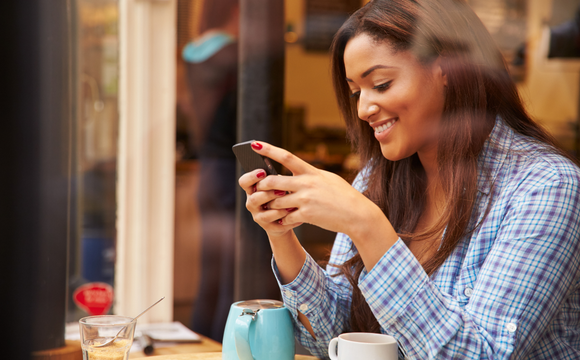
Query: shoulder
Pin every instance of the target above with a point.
(537, 164)
(514, 163)
(536, 179)
(213, 44)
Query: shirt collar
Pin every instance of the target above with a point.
(493, 155)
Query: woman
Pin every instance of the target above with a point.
(460, 235)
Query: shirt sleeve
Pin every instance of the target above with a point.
(322, 295)
(529, 271)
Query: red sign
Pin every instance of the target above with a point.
(95, 298)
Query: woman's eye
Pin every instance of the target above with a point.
(355, 95)
(382, 87)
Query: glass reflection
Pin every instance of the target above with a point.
(97, 57)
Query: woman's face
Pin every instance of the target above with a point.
(400, 98)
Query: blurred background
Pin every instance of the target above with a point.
(312, 127)
(140, 133)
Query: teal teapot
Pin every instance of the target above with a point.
(258, 330)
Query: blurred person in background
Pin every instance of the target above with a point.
(212, 64)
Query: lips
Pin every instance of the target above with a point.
(380, 128)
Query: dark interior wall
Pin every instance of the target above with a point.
(35, 139)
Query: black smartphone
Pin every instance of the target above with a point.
(251, 160)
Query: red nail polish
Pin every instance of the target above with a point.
(254, 188)
(279, 192)
(291, 209)
(261, 174)
(280, 221)
(264, 206)
(256, 145)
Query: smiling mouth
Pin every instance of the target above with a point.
(381, 128)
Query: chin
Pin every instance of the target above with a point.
(391, 155)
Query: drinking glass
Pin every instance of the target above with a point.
(98, 329)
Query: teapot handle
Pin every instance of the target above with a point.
(241, 334)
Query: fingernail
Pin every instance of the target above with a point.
(261, 174)
(256, 145)
(291, 209)
(264, 206)
(255, 188)
(279, 192)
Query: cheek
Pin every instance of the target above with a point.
(426, 103)
(405, 98)
(397, 102)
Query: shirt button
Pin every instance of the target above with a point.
(511, 327)
(303, 307)
(288, 294)
(468, 292)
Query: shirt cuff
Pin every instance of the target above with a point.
(392, 284)
(303, 293)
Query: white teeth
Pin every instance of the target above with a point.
(380, 129)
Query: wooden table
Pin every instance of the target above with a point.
(206, 345)
(207, 349)
(209, 356)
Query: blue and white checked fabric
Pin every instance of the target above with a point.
(509, 290)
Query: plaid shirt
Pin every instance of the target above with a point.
(509, 290)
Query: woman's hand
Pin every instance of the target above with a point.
(318, 197)
(311, 195)
(286, 248)
(257, 203)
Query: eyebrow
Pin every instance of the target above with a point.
(371, 69)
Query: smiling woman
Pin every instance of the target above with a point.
(463, 209)
(400, 98)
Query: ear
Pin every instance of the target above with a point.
(439, 70)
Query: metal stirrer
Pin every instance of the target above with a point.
(123, 328)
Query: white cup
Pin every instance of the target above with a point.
(368, 346)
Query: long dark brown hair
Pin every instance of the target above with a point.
(479, 89)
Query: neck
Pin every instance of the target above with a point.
(429, 161)
(434, 191)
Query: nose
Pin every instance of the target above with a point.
(366, 109)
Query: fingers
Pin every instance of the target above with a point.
(281, 210)
(248, 180)
(258, 180)
(257, 196)
(271, 219)
(260, 200)
(261, 190)
(292, 215)
(291, 162)
(289, 219)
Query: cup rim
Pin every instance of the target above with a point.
(386, 339)
(278, 304)
(125, 320)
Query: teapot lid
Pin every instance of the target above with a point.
(260, 304)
